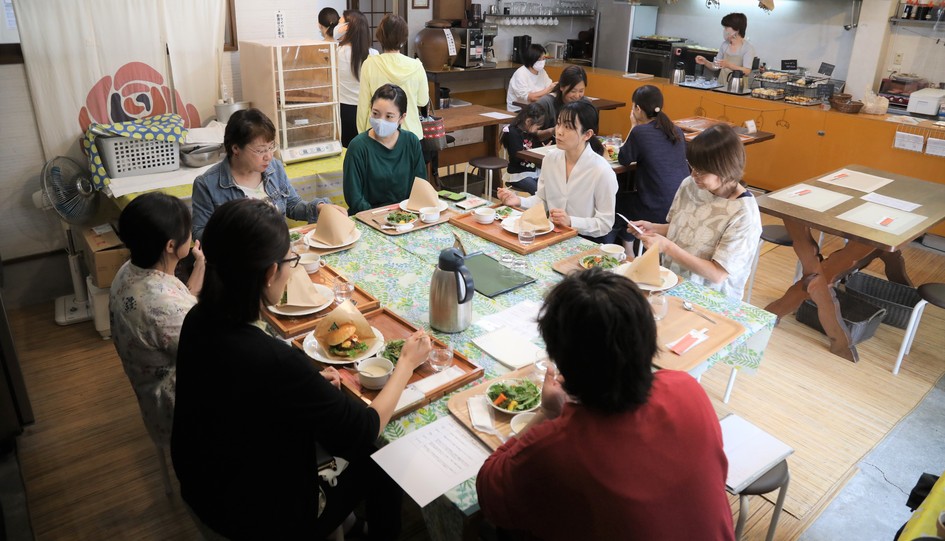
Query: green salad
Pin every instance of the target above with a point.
(503, 212)
(515, 395)
(392, 350)
(294, 236)
(602, 261)
(399, 217)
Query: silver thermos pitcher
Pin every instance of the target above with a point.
(736, 82)
(679, 74)
(451, 293)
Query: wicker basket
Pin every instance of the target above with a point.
(850, 107)
(898, 299)
(840, 98)
(861, 317)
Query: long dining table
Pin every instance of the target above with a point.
(397, 271)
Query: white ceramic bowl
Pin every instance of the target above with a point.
(484, 216)
(311, 262)
(520, 421)
(428, 215)
(379, 370)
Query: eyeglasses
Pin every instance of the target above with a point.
(293, 261)
(697, 173)
(271, 149)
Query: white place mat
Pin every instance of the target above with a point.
(811, 197)
(871, 215)
(508, 347)
(855, 180)
(497, 116)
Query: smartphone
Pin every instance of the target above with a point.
(452, 196)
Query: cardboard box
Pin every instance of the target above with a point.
(104, 254)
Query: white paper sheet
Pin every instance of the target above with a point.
(429, 383)
(521, 318)
(935, 147)
(119, 187)
(499, 116)
(889, 220)
(509, 347)
(855, 180)
(433, 459)
(408, 398)
(909, 141)
(900, 204)
(751, 452)
(811, 197)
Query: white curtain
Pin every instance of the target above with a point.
(105, 61)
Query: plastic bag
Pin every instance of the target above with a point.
(873, 104)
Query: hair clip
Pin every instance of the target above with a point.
(656, 109)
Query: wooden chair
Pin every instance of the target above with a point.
(930, 293)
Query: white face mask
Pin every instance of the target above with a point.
(540, 65)
(339, 31)
(727, 35)
(383, 128)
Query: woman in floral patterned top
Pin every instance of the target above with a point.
(148, 303)
(712, 230)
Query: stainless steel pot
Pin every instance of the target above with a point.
(200, 155)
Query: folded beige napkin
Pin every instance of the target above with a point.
(422, 195)
(334, 227)
(345, 313)
(535, 218)
(299, 290)
(644, 269)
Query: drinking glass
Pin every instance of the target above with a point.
(507, 260)
(526, 235)
(658, 304)
(343, 291)
(440, 357)
(690, 78)
(520, 265)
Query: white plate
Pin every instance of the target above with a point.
(510, 224)
(299, 311)
(317, 244)
(440, 205)
(669, 279)
(314, 350)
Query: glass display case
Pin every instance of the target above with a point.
(294, 82)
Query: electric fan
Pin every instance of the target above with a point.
(68, 189)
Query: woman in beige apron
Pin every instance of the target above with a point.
(736, 53)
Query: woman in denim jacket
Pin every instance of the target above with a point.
(249, 170)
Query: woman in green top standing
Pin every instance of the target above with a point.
(382, 162)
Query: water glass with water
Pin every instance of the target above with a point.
(343, 291)
(440, 357)
(659, 304)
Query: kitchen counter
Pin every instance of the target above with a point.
(808, 140)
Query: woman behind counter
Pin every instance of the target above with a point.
(616, 451)
(393, 67)
(249, 170)
(354, 46)
(736, 53)
(148, 303)
(713, 226)
(251, 408)
(569, 89)
(576, 183)
(529, 82)
(327, 20)
(382, 162)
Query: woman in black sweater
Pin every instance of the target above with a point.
(250, 408)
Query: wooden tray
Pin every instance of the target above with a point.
(698, 123)
(457, 406)
(394, 327)
(302, 247)
(493, 232)
(288, 326)
(375, 218)
(679, 321)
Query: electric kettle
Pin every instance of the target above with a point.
(451, 293)
(679, 74)
(735, 82)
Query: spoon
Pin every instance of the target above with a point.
(689, 308)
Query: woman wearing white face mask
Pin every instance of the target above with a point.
(382, 162)
(736, 53)
(529, 82)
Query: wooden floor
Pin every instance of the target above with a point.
(91, 473)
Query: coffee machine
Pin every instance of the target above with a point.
(489, 33)
(519, 45)
(471, 50)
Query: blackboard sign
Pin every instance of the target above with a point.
(789, 65)
(824, 91)
(826, 69)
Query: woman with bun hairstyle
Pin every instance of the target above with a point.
(659, 149)
(569, 89)
(327, 20)
(148, 303)
(710, 235)
(576, 184)
(251, 408)
(354, 46)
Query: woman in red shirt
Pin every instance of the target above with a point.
(617, 451)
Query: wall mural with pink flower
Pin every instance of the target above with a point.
(135, 91)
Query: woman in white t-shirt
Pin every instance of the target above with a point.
(354, 46)
(529, 82)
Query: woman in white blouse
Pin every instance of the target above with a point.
(148, 303)
(529, 82)
(713, 226)
(354, 46)
(577, 184)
